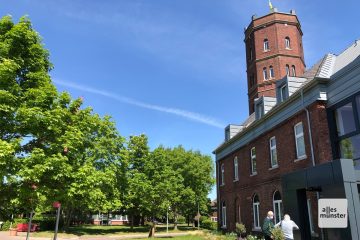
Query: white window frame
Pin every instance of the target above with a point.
(299, 135)
(277, 204)
(293, 70)
(274, 162)
(256, 205)
(222, 172)
(287, 43)
(236, 169)
(252, 159)
(266, 45)
(265, 73)
(223, 215)
(282, 95)
(271, 72)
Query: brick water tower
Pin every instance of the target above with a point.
(274, 49)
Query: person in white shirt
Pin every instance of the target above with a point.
(287, 226)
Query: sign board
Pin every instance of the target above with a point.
(333, 213)
(56, 204)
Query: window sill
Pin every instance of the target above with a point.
(300, 158)
(267, 50)
(274, 167)
(253, 174)
(222, 185)
(288, 48)
(257, 229)
(236, 180)
(223, 227)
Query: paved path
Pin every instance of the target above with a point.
(5, 235)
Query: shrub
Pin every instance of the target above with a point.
(208, 224)
(181, 219)
(6, 226)
(278, 234)
(240, 228)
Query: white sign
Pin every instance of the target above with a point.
(333, 213)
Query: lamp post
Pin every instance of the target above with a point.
(58, 206)
(167, 220)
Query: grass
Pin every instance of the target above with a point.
(109, 230)
(187, 237)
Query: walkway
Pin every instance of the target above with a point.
(4, 235)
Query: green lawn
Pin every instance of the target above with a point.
(188, 237)
(110, 230)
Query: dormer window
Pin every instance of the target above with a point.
(287, 43)
(271, 72)
(266, 45)
(265, 73)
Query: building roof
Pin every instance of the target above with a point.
(325, 68)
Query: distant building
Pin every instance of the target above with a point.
(110, 219)
(301, 141)
(214, 210)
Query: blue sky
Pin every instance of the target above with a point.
(173, 69)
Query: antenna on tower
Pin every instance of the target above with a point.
(270, 5)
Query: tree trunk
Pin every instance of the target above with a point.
(152, 230)
(68, 218)
(188, 220)
(132, 222)
(175, 220)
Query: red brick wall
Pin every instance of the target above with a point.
(277, 56)
(267, 180)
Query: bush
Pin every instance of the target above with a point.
(6, 226)
(278, 234)
(240, 228)
(181, 219)
(46, 223)
(208, 224)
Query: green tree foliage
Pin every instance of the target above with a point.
(51, 148)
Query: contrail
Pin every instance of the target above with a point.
(178, 112)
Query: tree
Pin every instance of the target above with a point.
(51, 147)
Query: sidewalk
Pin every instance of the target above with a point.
(5, 235)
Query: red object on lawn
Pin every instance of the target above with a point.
(56, 204)
(23, 227)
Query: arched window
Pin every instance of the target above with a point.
(287, 42)
(265, 73)
(266, 45)
(223, 215)
(222, 174)
(277, 206)
(236, 169)
(256, 204)
(293, 71)
(287, 68)
(271, 72)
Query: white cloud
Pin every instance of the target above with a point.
(175, 111)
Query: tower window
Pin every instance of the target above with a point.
(250, 54)
(293, 71)
(287, 68)
(271, 72)
(287, 43)
(265, 73)
(266, 45)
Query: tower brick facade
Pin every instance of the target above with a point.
(273, 49)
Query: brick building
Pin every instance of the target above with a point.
(291, 150)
